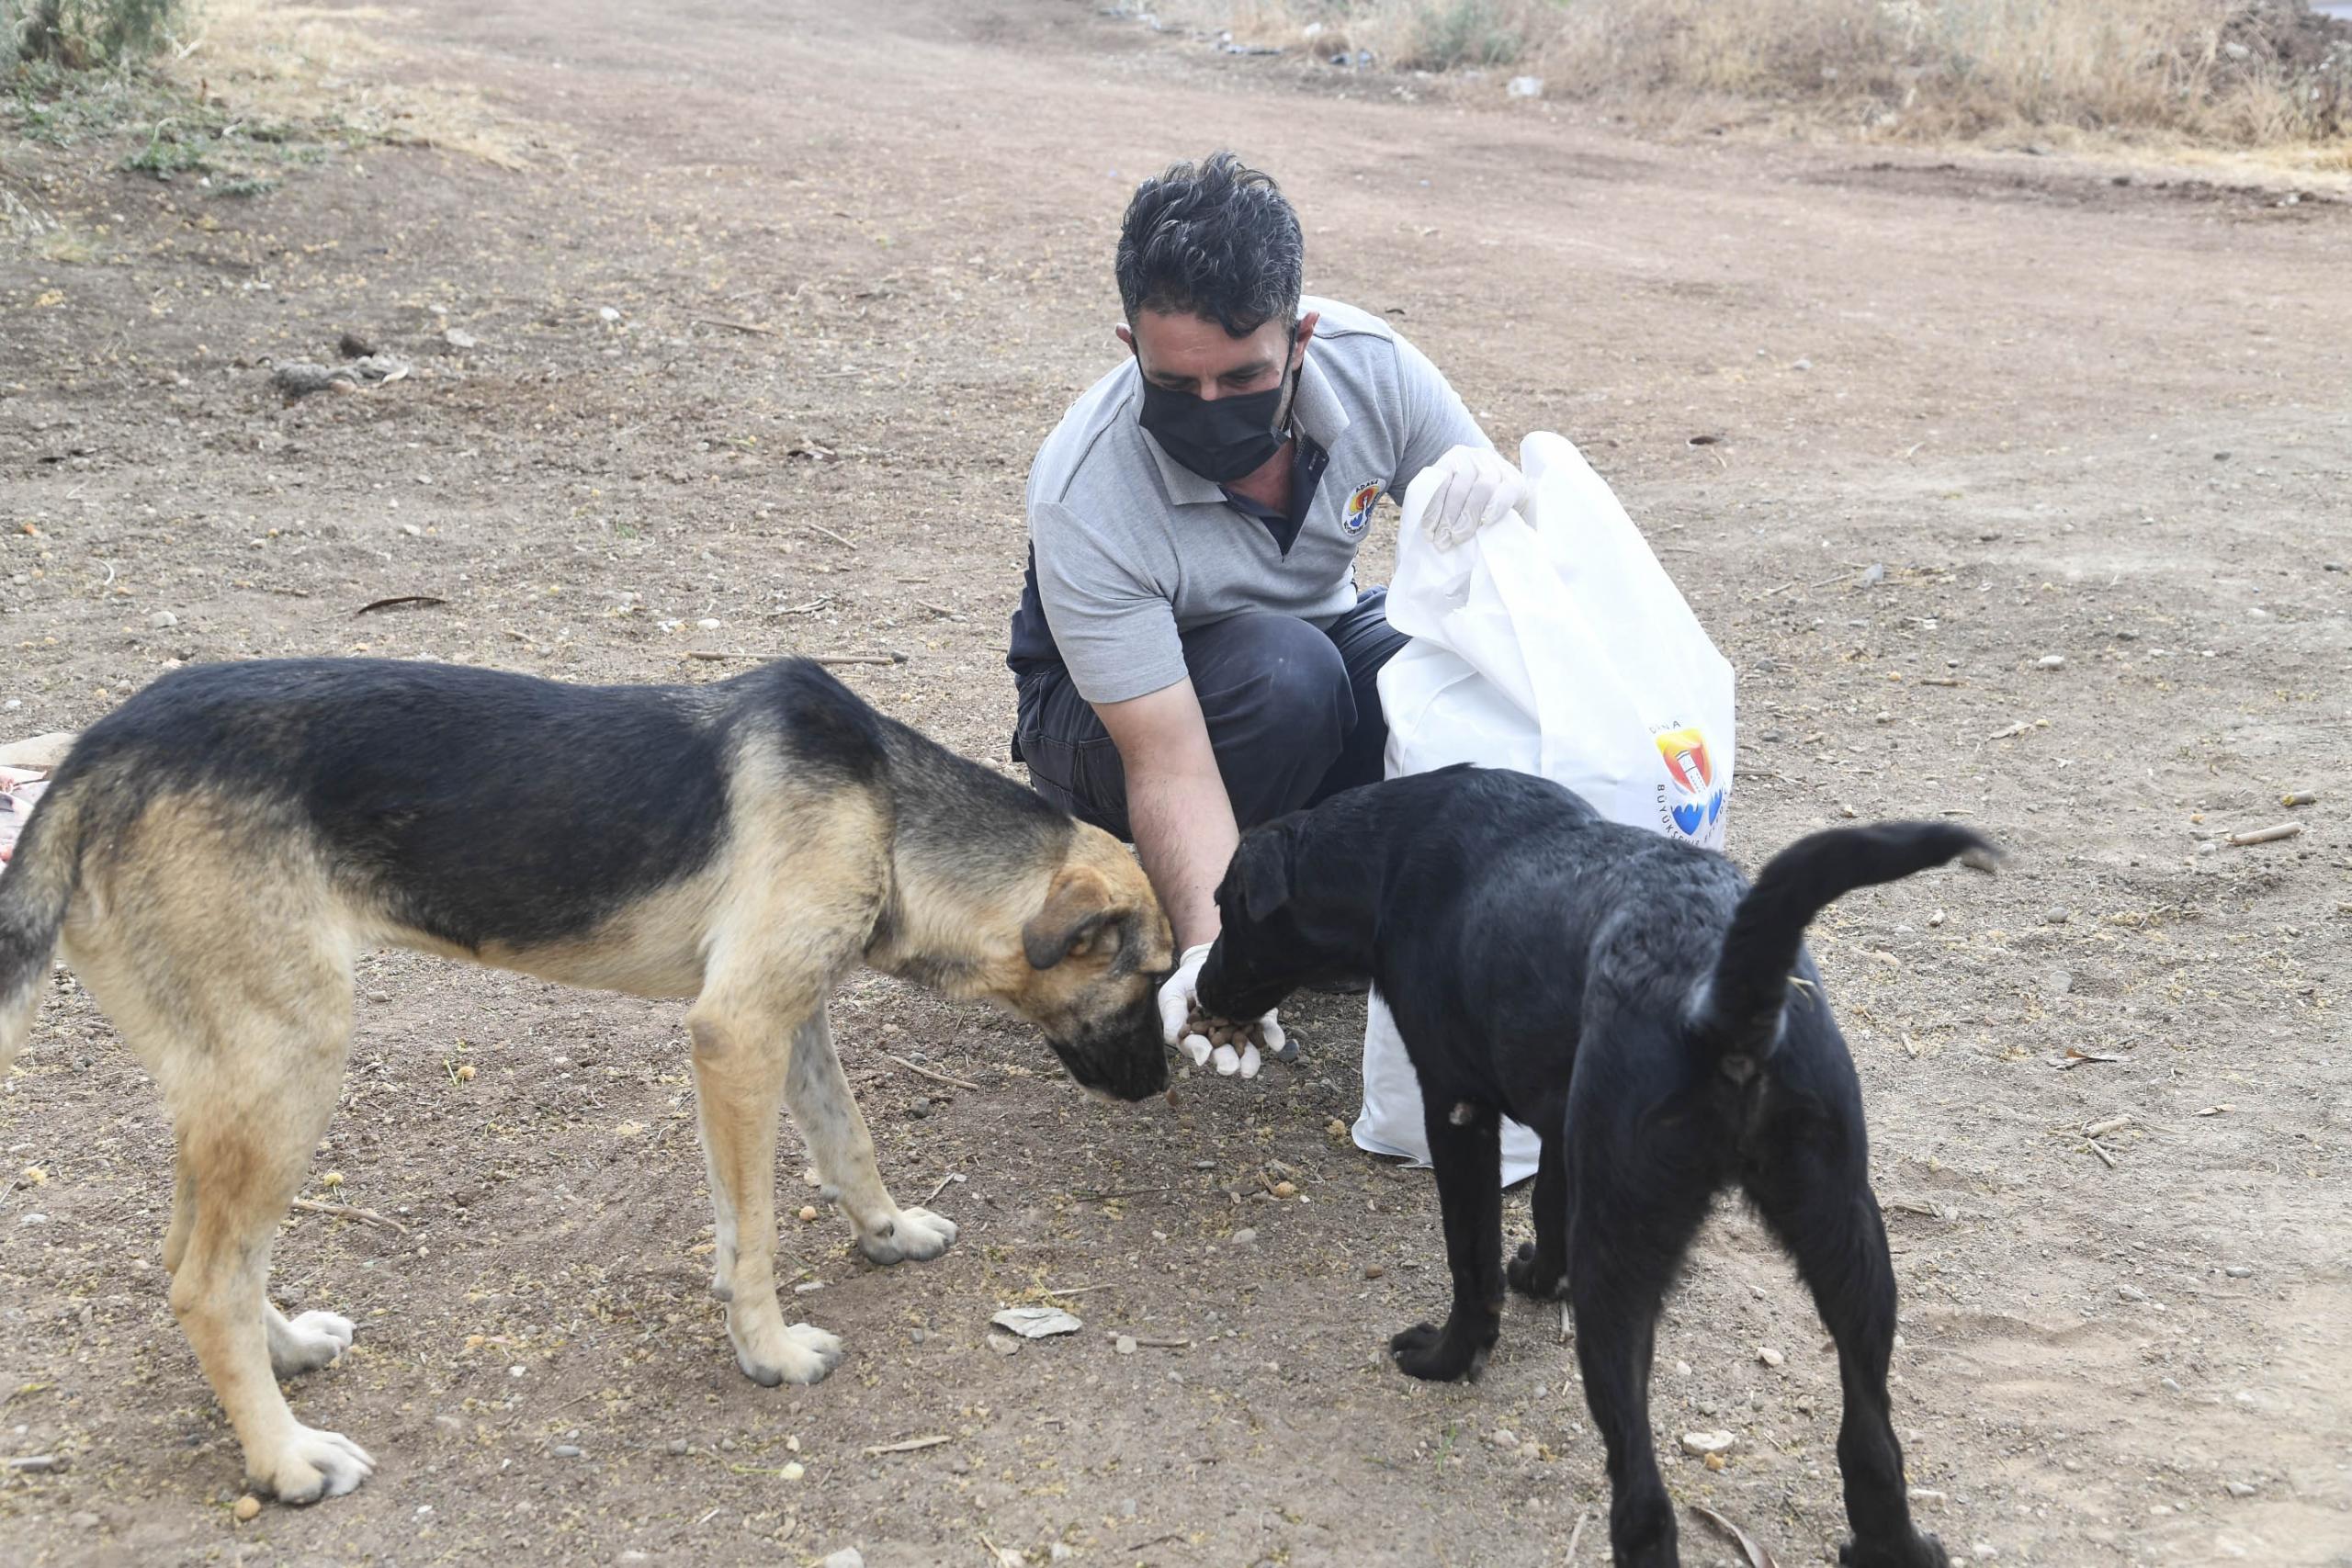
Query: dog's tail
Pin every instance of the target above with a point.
(36, 891)
(1739, 1013)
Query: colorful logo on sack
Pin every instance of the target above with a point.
(1691, 800)
(1359, 514)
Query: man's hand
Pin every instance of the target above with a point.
(1476, 489)
(1180, 1006)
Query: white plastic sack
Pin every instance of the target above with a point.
(1558, 646)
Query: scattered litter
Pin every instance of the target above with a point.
(1525, 87)
(2265, 835)
(1037, 1323)
(2299, 798)
(911, 1446)
(20, 791)
(399, 601)
(2075, 1057)
(2102, 1128)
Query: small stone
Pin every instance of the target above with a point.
(1503, 1437)
(847, 1557)
(792, 1470)
(1707, 1442)
(2170, 1386)
(708, 623)
(2238, 1271)
(380, 997)
(917, 1336)
(1126, 1508)
(1060, 1552)
(162, 620)
(1373, 1271)
(677, 1445)
(1801, 365)
(1004, 1344)
(1124, 1345)
(248, 1509)
(1286, 1189)
(1928, 1497)
(83, 1521)
(1984, 1552)
(1245, 1236)
(607, 315)
(808, 1212)
(1682, 1369)
(411, 530)
(565, 1451)
(2058, 916)
(1935, 919)
(459, 338)
(517, 1372)
(2131, 1293)
(2051, 661)
(2240, 1489)
(1531, 1449)
(1873, 575)
(1769, 1356)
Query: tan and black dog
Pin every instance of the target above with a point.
(211, 857)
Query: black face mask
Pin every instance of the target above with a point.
(1221, 439)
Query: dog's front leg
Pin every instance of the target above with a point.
(842, 1151)
(742, 1056)
(1465, 1150)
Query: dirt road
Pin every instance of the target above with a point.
(762, 344)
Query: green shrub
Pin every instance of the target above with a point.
(81, 33)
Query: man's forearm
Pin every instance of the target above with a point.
(1186, 836)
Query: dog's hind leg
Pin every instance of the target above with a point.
(826, 1112)
(1628, 1232)
(1465, 1150)
(1541, 1269)
(1831, 1225)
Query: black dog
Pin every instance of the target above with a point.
(1629, 997)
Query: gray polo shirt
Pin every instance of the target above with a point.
(1130, 550)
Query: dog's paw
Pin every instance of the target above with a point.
(913, 1236)
(802, 1353)
(310, 1341)
(1427, 1352)
(1920, 1551)
(1520, 1274)
(308, 1465)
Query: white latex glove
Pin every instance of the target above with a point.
(1476, 489)
(1178, 999)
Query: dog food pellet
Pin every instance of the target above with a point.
(1373, 1271)
(1714, 1462)
(808, 1212)
(1286, 1189)
(466, 1073)
(248, 1509)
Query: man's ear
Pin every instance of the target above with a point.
(1078, 906)
(1263, 868)
(1305, 335)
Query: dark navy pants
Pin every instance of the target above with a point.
(1293, 710)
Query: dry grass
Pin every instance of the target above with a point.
(312, 65)
(2235, 73)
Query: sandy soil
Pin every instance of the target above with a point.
(764, 335)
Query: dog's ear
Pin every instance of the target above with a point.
(1263, 868)
(1078, 906)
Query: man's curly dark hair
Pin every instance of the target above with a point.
(1215, 239)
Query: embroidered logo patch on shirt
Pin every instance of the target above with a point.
(1360, 505)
